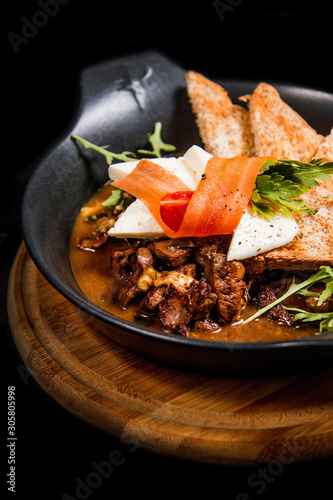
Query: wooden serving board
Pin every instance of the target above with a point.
(216, 420)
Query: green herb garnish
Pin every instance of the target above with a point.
(157, 143)
(325, 318)
(324, 276)
(282, 182)
(124, 156)
(114, 198)
(154, 139)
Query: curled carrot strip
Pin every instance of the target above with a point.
(217, 204)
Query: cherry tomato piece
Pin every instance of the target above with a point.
(173, 207)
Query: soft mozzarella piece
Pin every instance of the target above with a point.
(136, 222)
(177, 166)
(255, 235)
(197, 159)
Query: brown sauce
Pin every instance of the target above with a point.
(93, 274)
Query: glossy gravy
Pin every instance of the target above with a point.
(92, 272)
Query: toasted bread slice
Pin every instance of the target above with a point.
(313, 245)
(278, 130)
(224, 127)
(326, 148)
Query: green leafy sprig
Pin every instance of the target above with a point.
(124, 156)
(282, 182)
(157, 143)
(324, 276)
(325, 318)
(154, 139)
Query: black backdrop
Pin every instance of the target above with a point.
(41, 58)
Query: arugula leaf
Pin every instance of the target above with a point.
(157, 143)
(124, 156)
(282, 182)
(114, 198)
(325, 318)
(325, 275)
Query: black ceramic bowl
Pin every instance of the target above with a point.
(120, 101)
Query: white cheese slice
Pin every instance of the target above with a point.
(255, 235)
(137, 222)
(177, 166)
(119, 170)
(197, 159)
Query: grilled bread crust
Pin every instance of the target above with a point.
(326, 148)
(270, 128)
(278, 130)
(312, 247)
(224, 127)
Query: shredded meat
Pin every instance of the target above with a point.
(210, 245)
(173, 309)
(201, 299)
(93, 241)
(139, 275)
(99, 236)
(180, 305)
(191, 285)
(122, 262)
(226, 280)
(178, 299)
(279, 314)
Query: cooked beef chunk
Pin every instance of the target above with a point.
(128, 292)
(206, 325)
(178, 298)
(189, 269)
(152, 300)
(210, 245)
(193, 280)
(279, 314)
(312, 304)
(93, 241)
(172, 253)
(201, 299)
(139, 277)
(179, 306)
(226, 280)
(180, 278)
(99, 236)
(122, 262)
(173, 309)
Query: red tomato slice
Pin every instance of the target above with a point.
(173, 208)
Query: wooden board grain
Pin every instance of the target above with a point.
(220, 420)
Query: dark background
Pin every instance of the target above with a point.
(281, 40)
